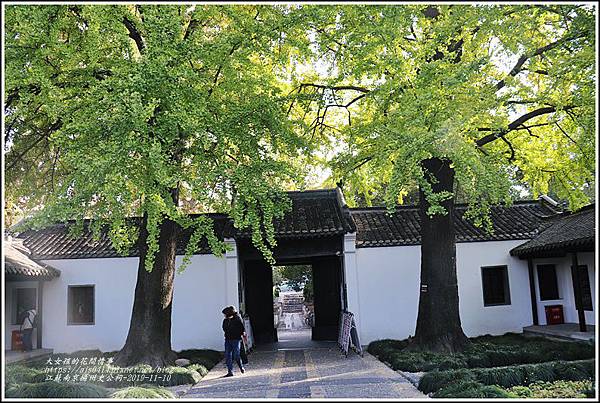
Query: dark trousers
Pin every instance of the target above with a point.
(232, 353)
(27, 346)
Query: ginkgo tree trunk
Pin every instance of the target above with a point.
(144, 110)
(439, 98)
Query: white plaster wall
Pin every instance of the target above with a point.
(565, 287)
(200, 293)
(9, 309)
(476, 318)
(389, 280)
(388, 285)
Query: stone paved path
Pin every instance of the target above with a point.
(304, 373)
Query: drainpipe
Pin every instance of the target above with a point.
(534, 311)
(578, 295)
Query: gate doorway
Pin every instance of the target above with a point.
(257, 290)
(293, 303)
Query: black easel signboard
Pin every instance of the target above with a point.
(349, 333)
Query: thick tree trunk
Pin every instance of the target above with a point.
(149, 338)
(438, 322)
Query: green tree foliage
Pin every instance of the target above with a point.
(504, 92)
(454, 99)
(131, 110)
(296, 276)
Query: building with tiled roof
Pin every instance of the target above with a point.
(376, 227)
(18, 264)
(564, 233)
(363, 260)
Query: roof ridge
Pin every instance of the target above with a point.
(456, 205)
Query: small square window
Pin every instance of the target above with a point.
(80, 305)
(495, 285)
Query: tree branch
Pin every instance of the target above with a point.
(134, 34)
(218, 73)
(337, 87)
(518, 67)
(510, 146)
(517, 123)
(53, 127)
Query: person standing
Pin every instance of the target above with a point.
(27, 328)
(233, 327)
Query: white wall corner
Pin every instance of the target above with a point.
(351, 276)
(350, 242)
(231, 273)
(231, 244)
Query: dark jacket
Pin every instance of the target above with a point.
(233, 327)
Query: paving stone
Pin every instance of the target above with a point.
(306, 373)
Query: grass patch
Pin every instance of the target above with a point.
(482, 352)
(143, 392)
(509, 376)
(53, 389)
(557, 389)
(23, 377)
(16, 374)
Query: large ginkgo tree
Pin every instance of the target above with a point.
(120, 111)
(454, 98)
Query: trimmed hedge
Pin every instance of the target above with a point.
(53, 389)
(509, 376)
(471, 389)
(143, 392)
(482, 352)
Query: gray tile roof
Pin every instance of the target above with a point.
(564, 233)
(375, 227)
(18, 265)
(315, 213)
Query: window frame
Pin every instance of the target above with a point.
(539, 284)
(69, 318)
(507, 298)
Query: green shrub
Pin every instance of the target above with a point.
(53, 389)
(16, 374)
(201, 369)
(538, 372)
(181, 376)
(511, 375)
(386, 346)
(574, 370)
(478, 360)
(143, 392)
(528, 373)
(503, 376)
(435, 380)
(557, 389)
(205, 357)
(452, 362)
(471, 389)
(482, 352)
